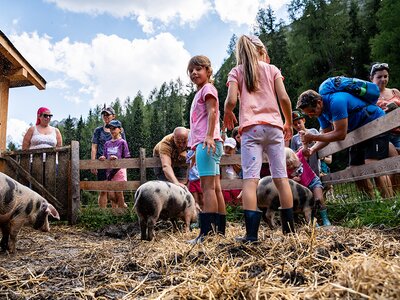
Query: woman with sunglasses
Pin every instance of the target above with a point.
(42, 134)
(389, 99)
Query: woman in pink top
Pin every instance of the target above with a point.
(299, 170)
(261, 128)
(205, 139)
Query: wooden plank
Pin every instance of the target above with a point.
(62, 182)
(385, 166)
(380, 125)
(50, 173)
(231, 184)
(74, 200)
(128, 163)
(142, 153)
(35, 183)
(109, 185)
(33, 151)
(4, 92)
(25, 163)
(37, 167)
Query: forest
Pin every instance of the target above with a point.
(323, 39)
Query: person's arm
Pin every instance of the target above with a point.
(286, 107)
(212, 109)
(166, 164)
(59, 138)
(327, 159)
(338, 133)
(230, 103)
(26, 142)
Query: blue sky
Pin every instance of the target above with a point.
(93, 51)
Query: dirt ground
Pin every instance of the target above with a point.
(71, 263)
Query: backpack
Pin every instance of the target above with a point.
(365, 90)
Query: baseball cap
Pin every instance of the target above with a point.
(230, 142)
(296, 115)
(108, 110)
(114, 123)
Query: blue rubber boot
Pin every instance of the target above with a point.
(207, 226)
(252, 220)
(324, 215)
(287, 220)
(221, 224)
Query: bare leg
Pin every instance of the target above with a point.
(284, 191)
(249, 196)
(102, 200)
(383, 183)
(120, 200)
(210, 197)
(220, 196)
(113, 199)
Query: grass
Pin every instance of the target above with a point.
(354, 211)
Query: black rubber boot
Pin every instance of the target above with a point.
(252, 219)
(207, 226)
(287, 220)
(221, 224)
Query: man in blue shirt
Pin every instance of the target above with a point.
(339, 113)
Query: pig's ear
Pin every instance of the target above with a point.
(52, 211)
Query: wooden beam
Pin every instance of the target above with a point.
(373, 128)
(109, 185)
(4, 88)
(8, 50)
(382, 167)
(74, 201)
(20, 74)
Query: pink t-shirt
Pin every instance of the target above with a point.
(199, 116)
(260, 107)
(307, 175)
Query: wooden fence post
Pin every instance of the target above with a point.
(74, 195)
(142, 156)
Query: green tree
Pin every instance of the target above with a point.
(386, 44)
(68, 131)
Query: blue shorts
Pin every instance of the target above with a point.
(315, 183)
(394, 138)
(208, 164)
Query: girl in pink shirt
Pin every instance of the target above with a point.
(299, 170)
(260, 86)
(205, 139)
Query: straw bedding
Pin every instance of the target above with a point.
(71, 263)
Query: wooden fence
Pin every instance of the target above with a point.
(383, 167)
(51, 172)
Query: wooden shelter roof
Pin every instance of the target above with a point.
(16, 68)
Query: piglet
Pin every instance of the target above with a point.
(165, 200)
(21, 206)
(268, 199)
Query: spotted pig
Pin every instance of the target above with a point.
(165, 200)
(268, 199)
(21, 206)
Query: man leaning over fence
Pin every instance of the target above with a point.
(339, 113)
(172, 150)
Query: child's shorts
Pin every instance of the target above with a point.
(258, 139)
(195, 187)
(120, 175)
(315, 183)
(208, 164)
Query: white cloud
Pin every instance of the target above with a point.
(16, 130)
(108, 67)
(146, 11)
(244, 12)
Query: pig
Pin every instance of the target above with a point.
(21, 206)
(268, 199)
(161, 199)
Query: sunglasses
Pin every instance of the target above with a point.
(379, 67)
(106, 115)
(47, 116)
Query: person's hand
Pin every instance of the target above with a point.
(210, 144)
(307, 152)
(182, 185)
(229, 120)
(102, 158)
(306, 137)
(93, 171)
(113, 157)
(287, 131)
